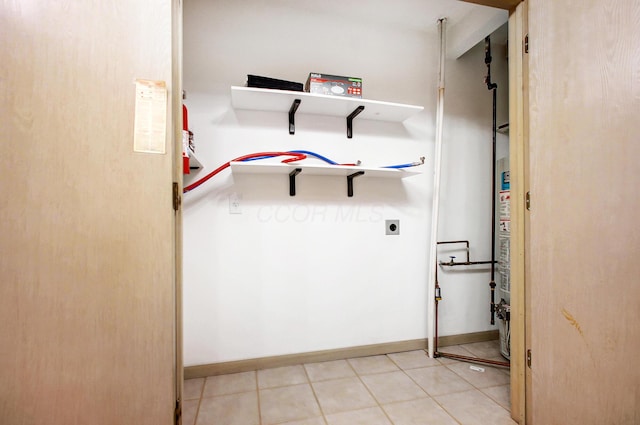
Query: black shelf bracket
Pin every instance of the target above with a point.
(292, 181)
(350, 178)
(350, 120)
(292, 114)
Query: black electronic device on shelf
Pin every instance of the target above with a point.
(272, 83)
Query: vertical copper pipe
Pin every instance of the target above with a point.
(435, 340)
(494, 87)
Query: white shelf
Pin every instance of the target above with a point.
(293, 169)
(281, 101)
(194, 163)
(258, 167)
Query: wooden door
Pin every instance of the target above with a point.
(584, 231)
(87, 227)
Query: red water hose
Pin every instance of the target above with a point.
(294, 157)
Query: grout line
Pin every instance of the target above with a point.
(416, 367)
(195, 419)
(432, 397)
(230, 393)
(374, 373)
(282, 385)
(234, 393)
(473, 385)
(258, 397)
(359, 376)
(494, 386)
(473, 388)
(446, 411)
(204, 382)
(496, 401)
(384, 412)
(331, 379)
(313, 390)
(288, 386)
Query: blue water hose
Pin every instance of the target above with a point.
(329, 161)
(325, 159)
(308, 153)
(410, 164)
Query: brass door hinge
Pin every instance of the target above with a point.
(527, 201)
(178, 413)
(529, 358)
(177, 197)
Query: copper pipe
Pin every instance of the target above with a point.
(456, 242)
(435, 340)
(473, 359)
(493, 87)
(437, 299)
(466, 263)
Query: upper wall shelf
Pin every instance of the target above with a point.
(194, 162)
(348, 107)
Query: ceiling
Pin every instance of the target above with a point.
(421, 15)
(467, 23)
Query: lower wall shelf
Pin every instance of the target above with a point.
(293, 169)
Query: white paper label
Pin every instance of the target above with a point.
(150, 123)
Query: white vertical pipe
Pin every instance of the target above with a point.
(431, 290)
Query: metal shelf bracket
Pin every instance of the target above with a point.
(292, 114)
(350, 120)
(292, 181)
(350, 178)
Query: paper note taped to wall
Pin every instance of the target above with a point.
(150, 123)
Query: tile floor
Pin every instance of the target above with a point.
(397, 389)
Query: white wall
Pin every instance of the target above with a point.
(316, 271)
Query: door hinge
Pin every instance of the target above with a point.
(527, 201)
(178, 413)
(529, 358)
(177, 197)
(526, 43)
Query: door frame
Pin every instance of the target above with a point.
(176, 131)
(519, 186)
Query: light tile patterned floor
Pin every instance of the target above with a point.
(396, 389)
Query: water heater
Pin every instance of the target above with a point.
(503, 308)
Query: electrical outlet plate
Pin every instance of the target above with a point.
(392, 227)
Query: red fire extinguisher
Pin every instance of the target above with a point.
(185, 138)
